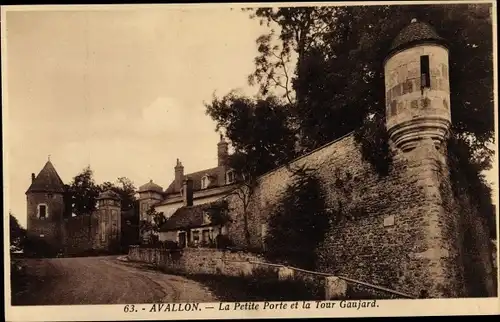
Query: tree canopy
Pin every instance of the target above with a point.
(17, 233)
(258, 130)
(125, 189)
(82, 192)
(329, 63)
(322, 69)
(338, 78)
(150, 227)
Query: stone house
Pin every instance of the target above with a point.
(188, 190)
(191, 226)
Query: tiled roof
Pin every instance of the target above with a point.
(413, 33)
(47, 180)
(150, 186)
(186, 217)
(196, 177)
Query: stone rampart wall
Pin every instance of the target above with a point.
(80, 233)
(195, 260)
(402, 231)
(240, 264)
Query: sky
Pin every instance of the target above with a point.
(120, 90)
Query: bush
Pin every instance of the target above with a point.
(262, 285)
(39, 247)
(169, 244)
(223, 241)
(298, 224)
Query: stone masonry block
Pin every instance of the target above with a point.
(285, 273)
(246, 268)
(335, 288)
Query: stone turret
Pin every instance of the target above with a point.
(45, 208)
(417, 87)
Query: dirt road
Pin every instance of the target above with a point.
(102, 280)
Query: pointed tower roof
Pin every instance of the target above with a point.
(150, 186)
(415, 33)
(47, 180)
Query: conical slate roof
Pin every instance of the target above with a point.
(413, 34)
(47, 180)
(150, 186)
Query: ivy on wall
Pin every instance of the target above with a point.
(299, 221)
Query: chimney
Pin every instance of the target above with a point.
(187, 193)
(222, 151)
(32, 177)
(179, 175)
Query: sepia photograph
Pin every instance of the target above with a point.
(197, 159)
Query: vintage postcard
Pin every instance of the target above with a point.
(258, 160)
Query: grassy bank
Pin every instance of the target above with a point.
(19, 281)
(241, 289)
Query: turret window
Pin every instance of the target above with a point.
(425, 77)
(42, 211)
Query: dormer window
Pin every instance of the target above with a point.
(206, 218)
(42, 211)
(230, 177)
(205, 182)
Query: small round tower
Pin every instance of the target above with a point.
(417, 87)
(149, 195)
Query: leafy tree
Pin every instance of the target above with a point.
(300, 221)
(219, 216)
(83, 193)
(150, 227)
(261, 135)
(298, 31)
(17, 233)
(339, 78)
(339, 75)
(125, 188)
(257, 129)
(218, 213)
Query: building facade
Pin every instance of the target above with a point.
(187, 194)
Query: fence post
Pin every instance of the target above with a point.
(335, 288)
